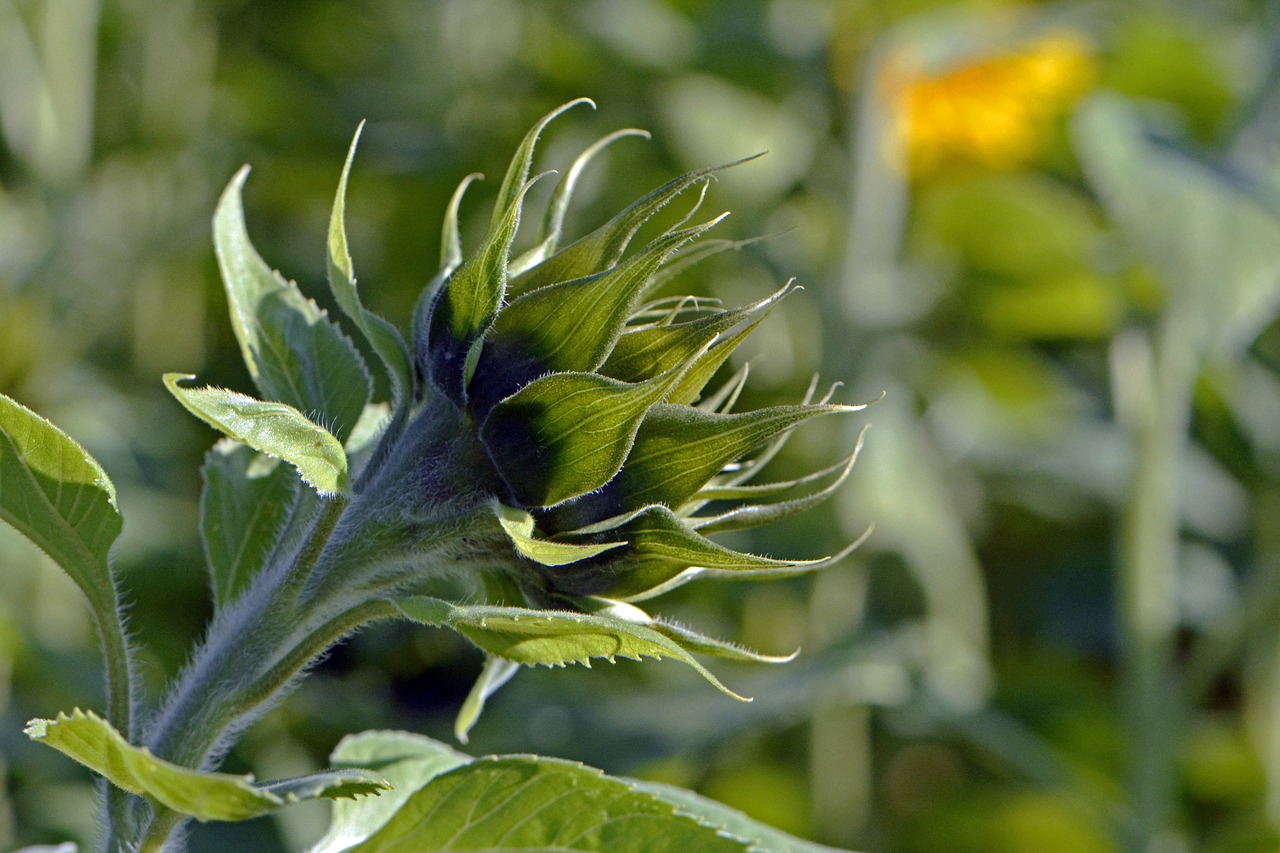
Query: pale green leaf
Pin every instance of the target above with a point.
(90, 740)
(530, 803)
(294, 353)
(518, 526)
(493, 675)
(54, 493)
(697, 643)
(407, 761)
(242, 511)
(567, 434)
(1205, 228)
(275, 429)
(381, 335)
(550, 637)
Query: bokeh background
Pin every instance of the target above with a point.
(1051, 233)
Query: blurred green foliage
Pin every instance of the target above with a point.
(963, 682)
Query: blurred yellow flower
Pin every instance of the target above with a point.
(993, 112)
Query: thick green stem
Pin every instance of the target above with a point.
(1154, 383)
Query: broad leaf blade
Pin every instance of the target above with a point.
(294, 353)
(529, 803)
(761, 837)
(550, 637)
(275, 429)
(567, 434)
(54, 493)
(381, 335)
(407, 761)
(242, 510)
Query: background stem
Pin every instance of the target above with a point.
(1154, 382)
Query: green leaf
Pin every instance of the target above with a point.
(679, 449)
(706, 365)
(54, 493)
(553, 220)
(294, 353)
(90, 740)
(644, 352)
(381, 335)
(407, 761)
(468, 302)
(603, 247)
(544, 804)
(664, 551)
(567, 434)
(698, 643)
(518, 526)
(1209, 231)
(754, 515)
(275, 429)
(493, 675)
(566, 327)
(242, 511)
(551, 637)
(450, 258)
(762, 838)
(518, 172)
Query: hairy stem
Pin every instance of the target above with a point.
(119, 697)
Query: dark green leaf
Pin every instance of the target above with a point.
(275, 429)
(567, 434)
(530, 803)
(243, 505)
(294, 353)
(54, 493)
(450, 258)
(468, 302)
(566, 327)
